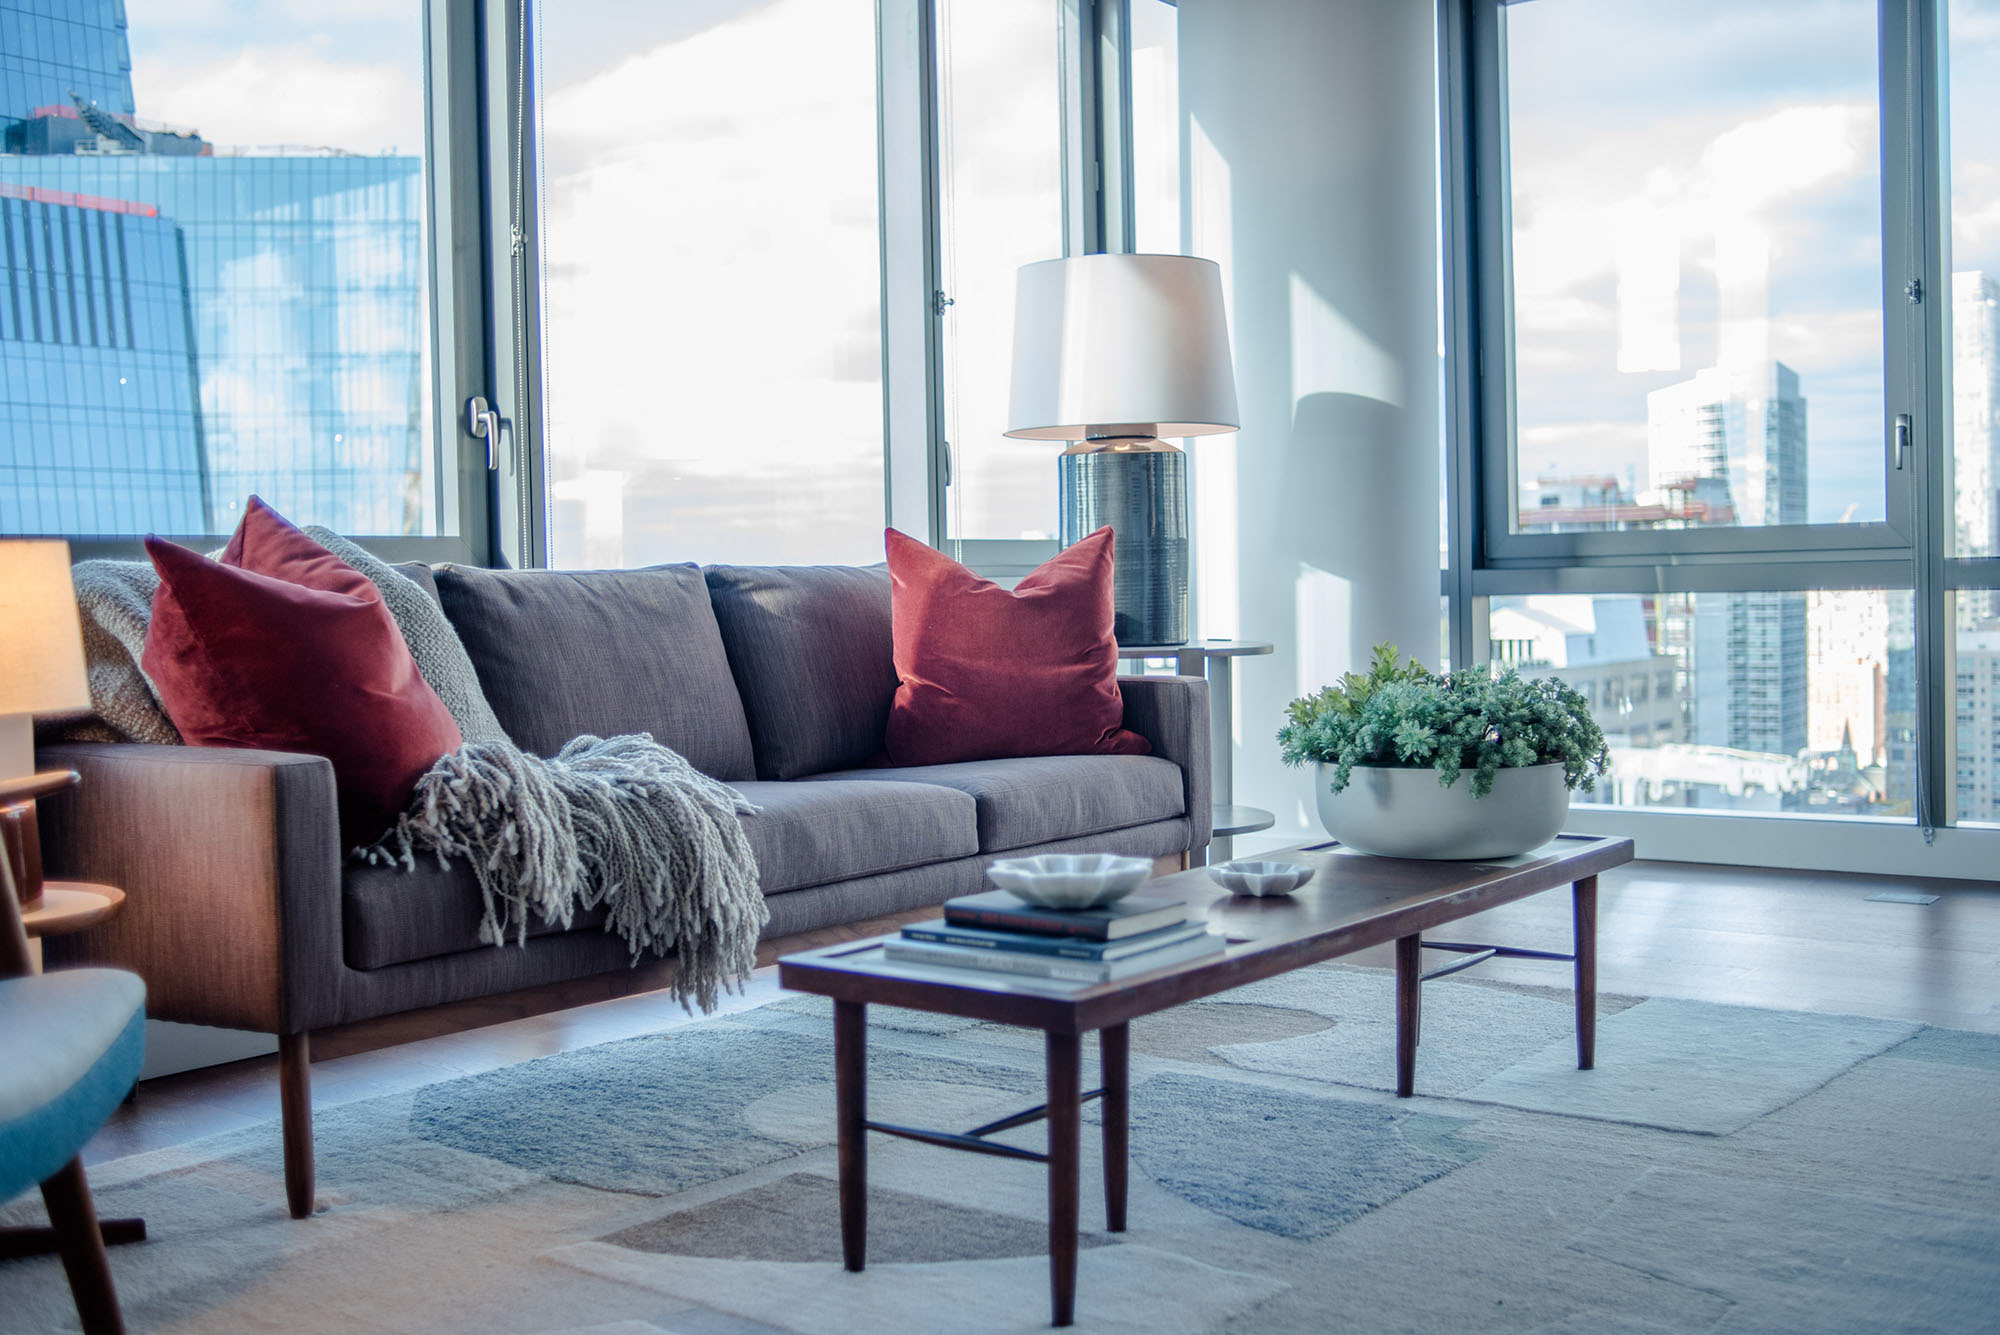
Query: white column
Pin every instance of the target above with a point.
(1311, 177)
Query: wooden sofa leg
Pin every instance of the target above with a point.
(295, 1101)
(74, 1219)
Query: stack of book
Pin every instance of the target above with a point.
(1001, 934)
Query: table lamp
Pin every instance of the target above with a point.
(41, 671)
(1112, 352)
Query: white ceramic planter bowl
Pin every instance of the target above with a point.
(1070, 880)
(1405, 813)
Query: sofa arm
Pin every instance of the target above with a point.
(230, 864)
(1172, 714)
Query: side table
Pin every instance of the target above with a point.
(1214, 660)
(67, 906)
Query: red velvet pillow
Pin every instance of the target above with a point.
(282, 646)
(987, 673)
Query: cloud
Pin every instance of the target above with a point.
(1763, 162)
(290, 95)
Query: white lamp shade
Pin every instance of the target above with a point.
(41, 641)
(1121, 345)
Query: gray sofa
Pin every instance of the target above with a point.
(242, 911)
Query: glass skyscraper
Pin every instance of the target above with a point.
(298, 283)
(51, 48)
(99, 431)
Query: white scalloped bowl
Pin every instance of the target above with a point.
(1252, 877)
(1070, 880)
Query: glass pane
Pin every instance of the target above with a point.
(1974, 80)
(1796, 702)
(227, 292)
(1156, 127)
(1000, 150)
(713, 319)
(1697, 269)
(1976, 759)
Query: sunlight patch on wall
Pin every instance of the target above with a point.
(1324, 615)
(1331, 356)
(1217, 558)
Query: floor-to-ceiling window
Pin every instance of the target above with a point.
(217, 281)
(1973, 409)
(1728, 345)
(711, 286)
(1000, 196)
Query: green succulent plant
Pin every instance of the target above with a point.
(1478, 720)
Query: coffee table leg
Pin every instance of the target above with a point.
(850, 1082)
(1115, 1048)
(1409, 1011)
(1584, 898)
(1065, 1120)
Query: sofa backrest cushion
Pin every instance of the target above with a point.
(813, 655)
(561, 653)
(419, 574)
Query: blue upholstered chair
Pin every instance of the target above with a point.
(70, 1046)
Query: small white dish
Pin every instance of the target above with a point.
(1070, 880)
(1260, 878)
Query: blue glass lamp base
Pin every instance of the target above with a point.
(1142, 495)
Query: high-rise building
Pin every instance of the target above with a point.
(49, 51)
(301, 277)
(1745, 426)
(1748, 651)
(1600, 647)
(1977, 699)
(99, 427)
(1975, 411)
(1847, 631)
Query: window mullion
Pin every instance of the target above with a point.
(1916, 296)
(457, 270)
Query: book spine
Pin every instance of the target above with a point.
(1097, 930)
(996, 961)
(1067, 947)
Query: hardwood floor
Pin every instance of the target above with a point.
(1787, 940)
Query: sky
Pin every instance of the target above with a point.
(345, 75)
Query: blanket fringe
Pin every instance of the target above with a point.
(619, 821)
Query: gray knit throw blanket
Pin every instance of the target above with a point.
(619, 821)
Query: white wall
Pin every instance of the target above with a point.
(1309, 173)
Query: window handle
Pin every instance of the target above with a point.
(484, 424)
(1902, 449)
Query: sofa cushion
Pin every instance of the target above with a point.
(391, 916)
(811, 833)
(806, 834)
(1038, 799)
(561, 653)
(814, 661)
(419, 574)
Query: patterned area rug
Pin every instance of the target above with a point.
(1724, 1170)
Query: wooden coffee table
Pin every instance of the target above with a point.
(1353, 901)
